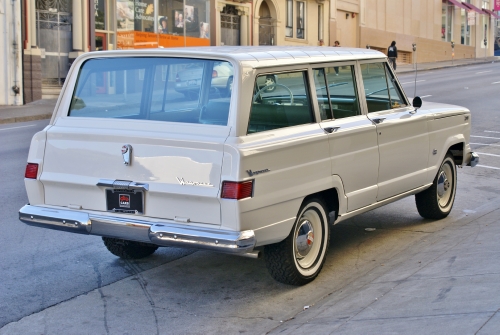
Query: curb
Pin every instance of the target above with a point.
(26, 118)
(437, 67)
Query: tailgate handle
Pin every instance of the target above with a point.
(123, 184)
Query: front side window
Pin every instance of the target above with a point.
(280, 100)
(336, 92)
(160, 89)
(381, 90)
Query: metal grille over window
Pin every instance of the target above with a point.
(230, 26)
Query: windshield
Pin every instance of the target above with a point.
(160, 89)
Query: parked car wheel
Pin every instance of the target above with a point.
(298, 259)
(128, 249)
(436, 201)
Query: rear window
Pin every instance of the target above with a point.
(160, 89)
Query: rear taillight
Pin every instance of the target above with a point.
(31, 171)
(237, 190)
(177, 78)
(215, 74)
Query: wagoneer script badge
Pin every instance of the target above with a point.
(253, 173)
(192, 183)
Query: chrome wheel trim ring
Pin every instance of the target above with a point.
(304, 239)
(307, 261)
(445, 185)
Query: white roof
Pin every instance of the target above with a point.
(258, 56)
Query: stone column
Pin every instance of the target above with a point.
(77, 26)
(219, 7)
(256, 29)
(243, 13)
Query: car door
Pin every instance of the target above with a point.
(402, 134)
(352, 136)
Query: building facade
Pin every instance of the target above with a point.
(441, 29)
(55, 32)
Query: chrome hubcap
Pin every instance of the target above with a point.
(304, 240)
(443, 184)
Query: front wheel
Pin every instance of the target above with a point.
(436, 201)
(128, 249)
(298, 259)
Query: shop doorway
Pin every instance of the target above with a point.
(267, 24)
(53, 28)
(100, 41)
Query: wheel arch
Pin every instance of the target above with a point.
(333, 197)
(457, 151)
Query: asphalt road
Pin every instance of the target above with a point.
(55, 282)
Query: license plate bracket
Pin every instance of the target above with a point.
(125, 201)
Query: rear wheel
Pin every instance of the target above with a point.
(298, 259)
(436, 201)
(128, 249)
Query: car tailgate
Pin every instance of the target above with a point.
(180, 164)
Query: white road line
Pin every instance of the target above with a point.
(496, 82)
(411, 82)
(483, 72)
(489, 145)
(483, 153)
(495, 138)
(492, 131)
(425, 96)
(31, 125)
(488, 167)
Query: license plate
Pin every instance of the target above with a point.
(192, 82)
(125, 201)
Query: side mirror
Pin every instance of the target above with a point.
(417, 102)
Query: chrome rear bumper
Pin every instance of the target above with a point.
(159, 233)
(474, 159)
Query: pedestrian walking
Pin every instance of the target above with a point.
(392, 53)
(336, 68)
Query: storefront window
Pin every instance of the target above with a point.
(446, 21)
(464, 28)
(171, 23)
(289, 18)
(300, 19)
(100, 15)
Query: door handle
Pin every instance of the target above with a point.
(379, 120)
(330, 130)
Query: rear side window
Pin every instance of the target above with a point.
(280, 100)
(160, 89)
(336, 92)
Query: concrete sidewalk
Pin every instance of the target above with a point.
(37, 110)
(402, 68)
(42, 109)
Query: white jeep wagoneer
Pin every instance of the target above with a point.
(263, 156)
